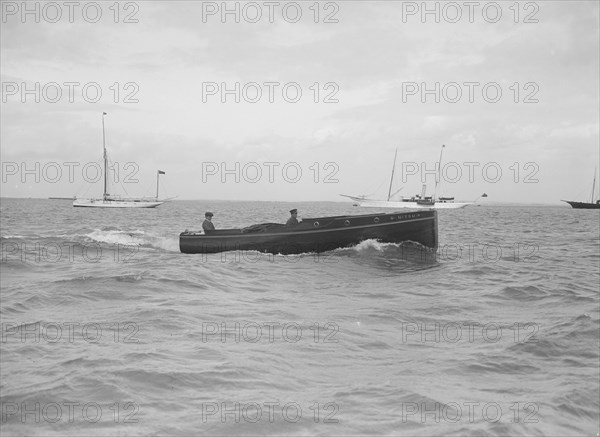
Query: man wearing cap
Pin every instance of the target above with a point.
(293, 220)
(207, 224)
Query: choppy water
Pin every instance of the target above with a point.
(108, 330)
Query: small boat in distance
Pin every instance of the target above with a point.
(111, 201)
(586, 205)
(418, 201)
(318, 234)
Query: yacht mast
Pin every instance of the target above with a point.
(392, 178)
(594, 184)
(105, 195)
(439, 176)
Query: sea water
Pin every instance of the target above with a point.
(107, 329)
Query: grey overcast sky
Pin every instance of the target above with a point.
(516, 85)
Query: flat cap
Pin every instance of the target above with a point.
(208, 214)
(293, 211)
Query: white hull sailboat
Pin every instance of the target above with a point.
(116, 203)
(415, 202)
(367, 203)
(110, 201)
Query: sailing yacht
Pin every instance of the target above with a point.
(586, 205)
(111, 201)
(418, 201)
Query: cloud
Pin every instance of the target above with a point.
(547, 72)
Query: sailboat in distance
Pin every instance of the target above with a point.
(586, 205)
(418, 201)
(111, 201)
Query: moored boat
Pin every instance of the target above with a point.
(318, 234)
(111, 201)
(418, 201)
(116, 202)
(586, 205)
(583, 205)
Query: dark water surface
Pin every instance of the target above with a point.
(108, 330)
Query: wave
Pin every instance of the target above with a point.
(107, 236)
(137, 237)
(524, 293)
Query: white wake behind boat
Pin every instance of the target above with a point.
(111, 201)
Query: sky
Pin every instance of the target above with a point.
(301, 101)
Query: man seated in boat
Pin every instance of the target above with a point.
(293, 220)
(207, 223)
